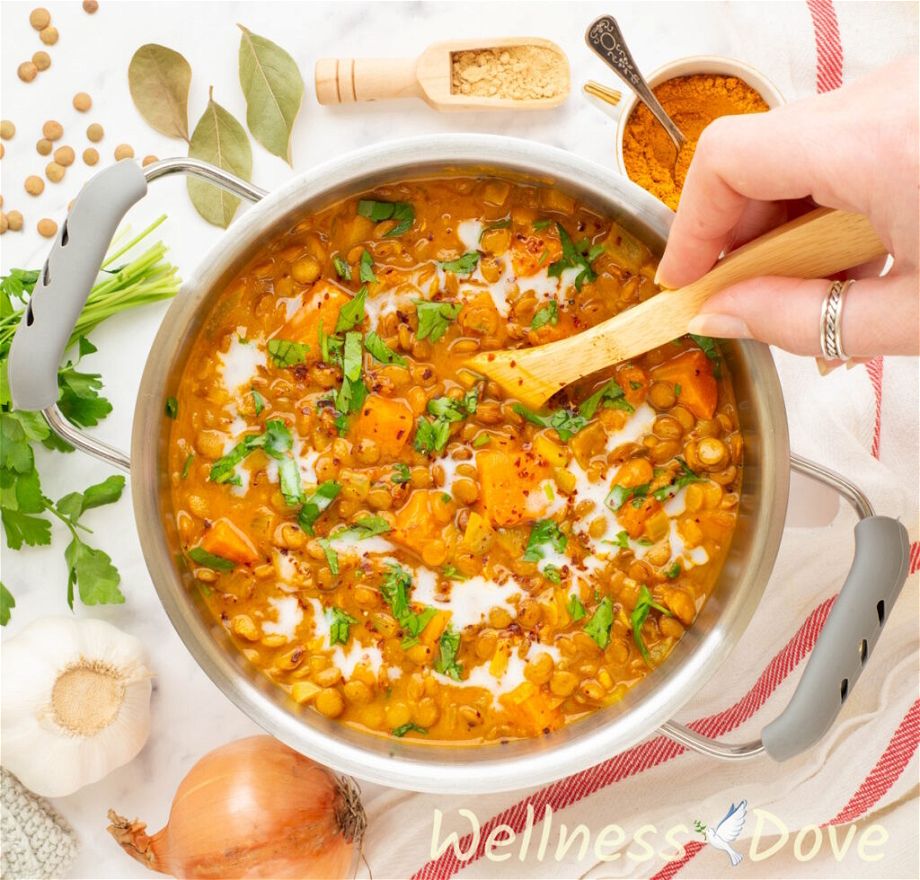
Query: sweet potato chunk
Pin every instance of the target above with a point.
(387, 422)
(536, 711)
(531, 253)
(321, 308)
(506, 481)
(692, 370)
(416, 524)
(633, 518)
(224, 539)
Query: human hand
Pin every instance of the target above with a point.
(855, 149)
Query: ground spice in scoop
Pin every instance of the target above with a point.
(519, 73)
(693, 102)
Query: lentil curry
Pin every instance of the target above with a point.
(390, 538)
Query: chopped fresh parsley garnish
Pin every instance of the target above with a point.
(353, 392)
(434, 318)
(408, 727)
(481, 440)
(462, 265)
(377, 211)
(7, 603)
(365, 527)
(401, 473)
(276, 441)
(366, 268)
(332, 558)
(352, 313)
(552, 574)
(380, 351)
(622, 539)
(546, 314)
(187, 466)
(330, 347)
(316, 502)
(172, 407)
(449, 647)
(258, 402)
(452, 573)
(575, 608)
(711, 350)
(544, 532)
(395, 591)
(644, 605)
(684, 477)
(574, 258)
(540, 225)
(339, 625)
(431, 435)
(210, 560)
(608, 396)
(677, 389)
(598, 627)
(619, 495)
(342, 269)
(287, 353)
(673, 571)
(566, 422)
(498, 224)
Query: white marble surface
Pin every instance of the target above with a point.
(190, 715)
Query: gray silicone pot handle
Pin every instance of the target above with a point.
(853, 627)
(872, 586)
(66, 281)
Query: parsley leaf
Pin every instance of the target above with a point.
(332, 558)
(287, 353)
(318, 501)
(258, 402)
(684, 477)
(352, 313)
(353, 392)
(481, 440)
(566, 422)
(401, 473)
(610, 395)
(395, 591)
(434, 318)
(546, 314)
(574, 258)
(330, 347)
(544, 532)
(91, 570)
(339, 625)
(276, 441)
(449, 647)
(366, 268)
(342, 269)
(598, 627)
(673, 571)
(187, 466)
(575, 608)
(644, 605)
(172, 407)
(7, 603)
(619, 495)
(540, 225)
(377, 211)
(380, 351)
(365, 527)
(408, 727)
(79, 399)
(462, 265)
(210, 560)
(552, 574)
(498, 224)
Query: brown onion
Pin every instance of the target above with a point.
(253, 808)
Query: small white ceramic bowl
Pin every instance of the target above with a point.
(716, 64)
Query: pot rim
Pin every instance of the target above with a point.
(433, 768)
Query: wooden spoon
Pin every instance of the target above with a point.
(346, 80)
(815, 245)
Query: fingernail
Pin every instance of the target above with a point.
(721, 326)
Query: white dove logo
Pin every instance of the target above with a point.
(727, 831)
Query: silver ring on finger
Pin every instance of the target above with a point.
(831, 330)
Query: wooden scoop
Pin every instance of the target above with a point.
(815, 245)
(346, 80)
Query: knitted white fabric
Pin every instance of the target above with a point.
(35, 841)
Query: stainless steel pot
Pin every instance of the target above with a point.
(878, 572)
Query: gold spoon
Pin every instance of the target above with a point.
(606, 39)
(815, 245)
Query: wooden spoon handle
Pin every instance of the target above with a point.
(346, 80)
(814, 245)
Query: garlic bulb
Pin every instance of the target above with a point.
(75, 703)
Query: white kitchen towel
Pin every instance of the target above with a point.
(862, 422)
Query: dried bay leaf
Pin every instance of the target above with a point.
(221, 140)
(159, 79)
(273, 88)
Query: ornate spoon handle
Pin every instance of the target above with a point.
(605, 38)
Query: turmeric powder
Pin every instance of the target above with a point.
(693, 102)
